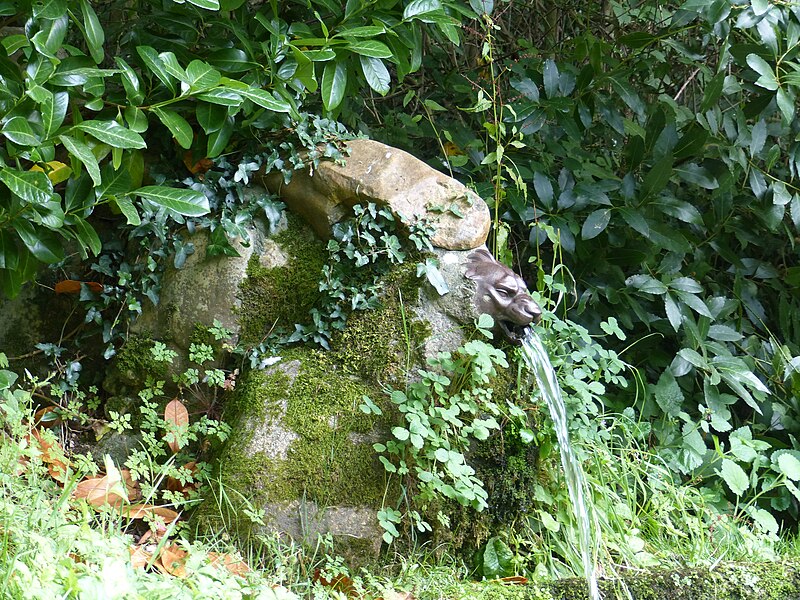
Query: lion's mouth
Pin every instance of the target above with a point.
(514, 332)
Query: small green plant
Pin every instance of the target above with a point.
(371, 238)
(442, 413)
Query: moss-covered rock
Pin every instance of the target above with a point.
(276, 294)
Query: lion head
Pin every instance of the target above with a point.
(503, 295)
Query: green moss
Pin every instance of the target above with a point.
(329, 462)
(274, 299)
(133, 365)
(381, 343)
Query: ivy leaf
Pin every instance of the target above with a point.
(112, 133)
(734, 476)
(376, 74)
(185, 202)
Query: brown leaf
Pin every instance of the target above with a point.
(70, 286)
(176, 413)
(174, 485)
(232, 563)
(514, 580)
(340, 583)
(46, 417)
(140, 511)
(173, 558)
(96, 491)
(393, 595)
(139, 557)
(52, 455)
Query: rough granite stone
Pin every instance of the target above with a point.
(387, 176)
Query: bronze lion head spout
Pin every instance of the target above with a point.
(503, 295)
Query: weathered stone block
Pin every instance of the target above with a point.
(387, 176)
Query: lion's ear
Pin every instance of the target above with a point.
(478, 261)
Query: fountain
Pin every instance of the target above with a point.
(538, 362)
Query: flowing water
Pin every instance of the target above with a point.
(539, 364)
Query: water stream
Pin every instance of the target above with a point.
(538, 362)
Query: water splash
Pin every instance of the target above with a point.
(538, 362)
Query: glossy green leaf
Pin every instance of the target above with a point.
(201, 76)
(222, 96)
(334, 84)
(112, 133)
(767, 78)
(376, 74)
(87, 236)
(182, 201)
(84, 154)
(420, 7)
(49, 9)
(178, 126)
(41, 242)
(54, 110)
(93, 32)
(18, 130)
(265, 99)
(130, 81)
(595, 223)
(9, 255)
(371, 48)
(205, 4)
(367, 31)
(153, 62)
(50, 38)
(218, 140)
(172, 66)
(127, 208)
(231, 60)
(724, 333)
(116, 182)
(136, 119)
(551, 78)
(31, 186)
(211, 117)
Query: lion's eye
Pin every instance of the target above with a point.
(503, 293)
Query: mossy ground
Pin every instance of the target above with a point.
(727, 581)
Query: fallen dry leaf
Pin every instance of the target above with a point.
(70, 286)
(514, 580)
(139, 557)
(232, 563)
(173, 558)
(174, 485)
(52, 455)
(140, 511)
(176, 413)
(393, 595)
(97, 491)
